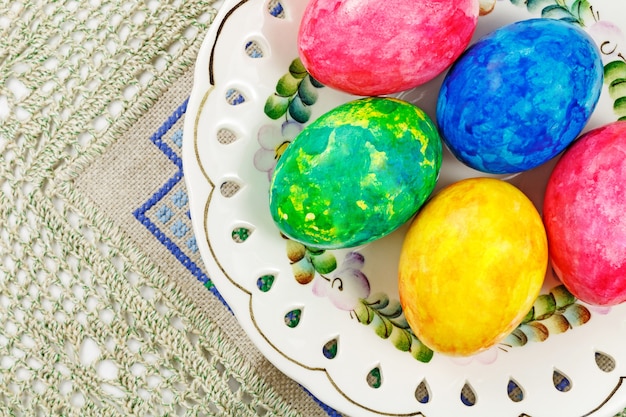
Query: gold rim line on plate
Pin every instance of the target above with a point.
(211, 184)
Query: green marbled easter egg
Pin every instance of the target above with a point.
(356, 174)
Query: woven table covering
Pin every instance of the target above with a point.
(105, 305)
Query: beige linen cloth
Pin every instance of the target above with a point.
(104, 306)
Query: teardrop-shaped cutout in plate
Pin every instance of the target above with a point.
(468, 396)
(229, 188)
(605, 362)
(226, 136)
(254, 49)
(375, 377)
(241, 234)
(515, 391)
(275, 8)
(234, 96)
(422, 393)
(293, 317)
(561, 381)
(331, 348)
(264, 283)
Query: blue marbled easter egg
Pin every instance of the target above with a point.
(520, 95)
(356, 173)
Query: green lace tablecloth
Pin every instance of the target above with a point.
(105, 306)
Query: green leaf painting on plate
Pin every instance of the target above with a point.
(386, 318)
(296, 91)
(555, 312)
(574, 11)
(615, 79)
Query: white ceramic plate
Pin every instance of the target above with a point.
(328, 340)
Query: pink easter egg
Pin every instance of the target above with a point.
(372, 47)
(584, 215)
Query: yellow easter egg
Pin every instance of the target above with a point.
(472, 264)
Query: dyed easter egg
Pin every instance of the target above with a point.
(584, 216)
(356, 173)
(471, 265)
(517, 97)
(370, 47)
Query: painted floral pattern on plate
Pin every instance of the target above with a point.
(344, 283)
